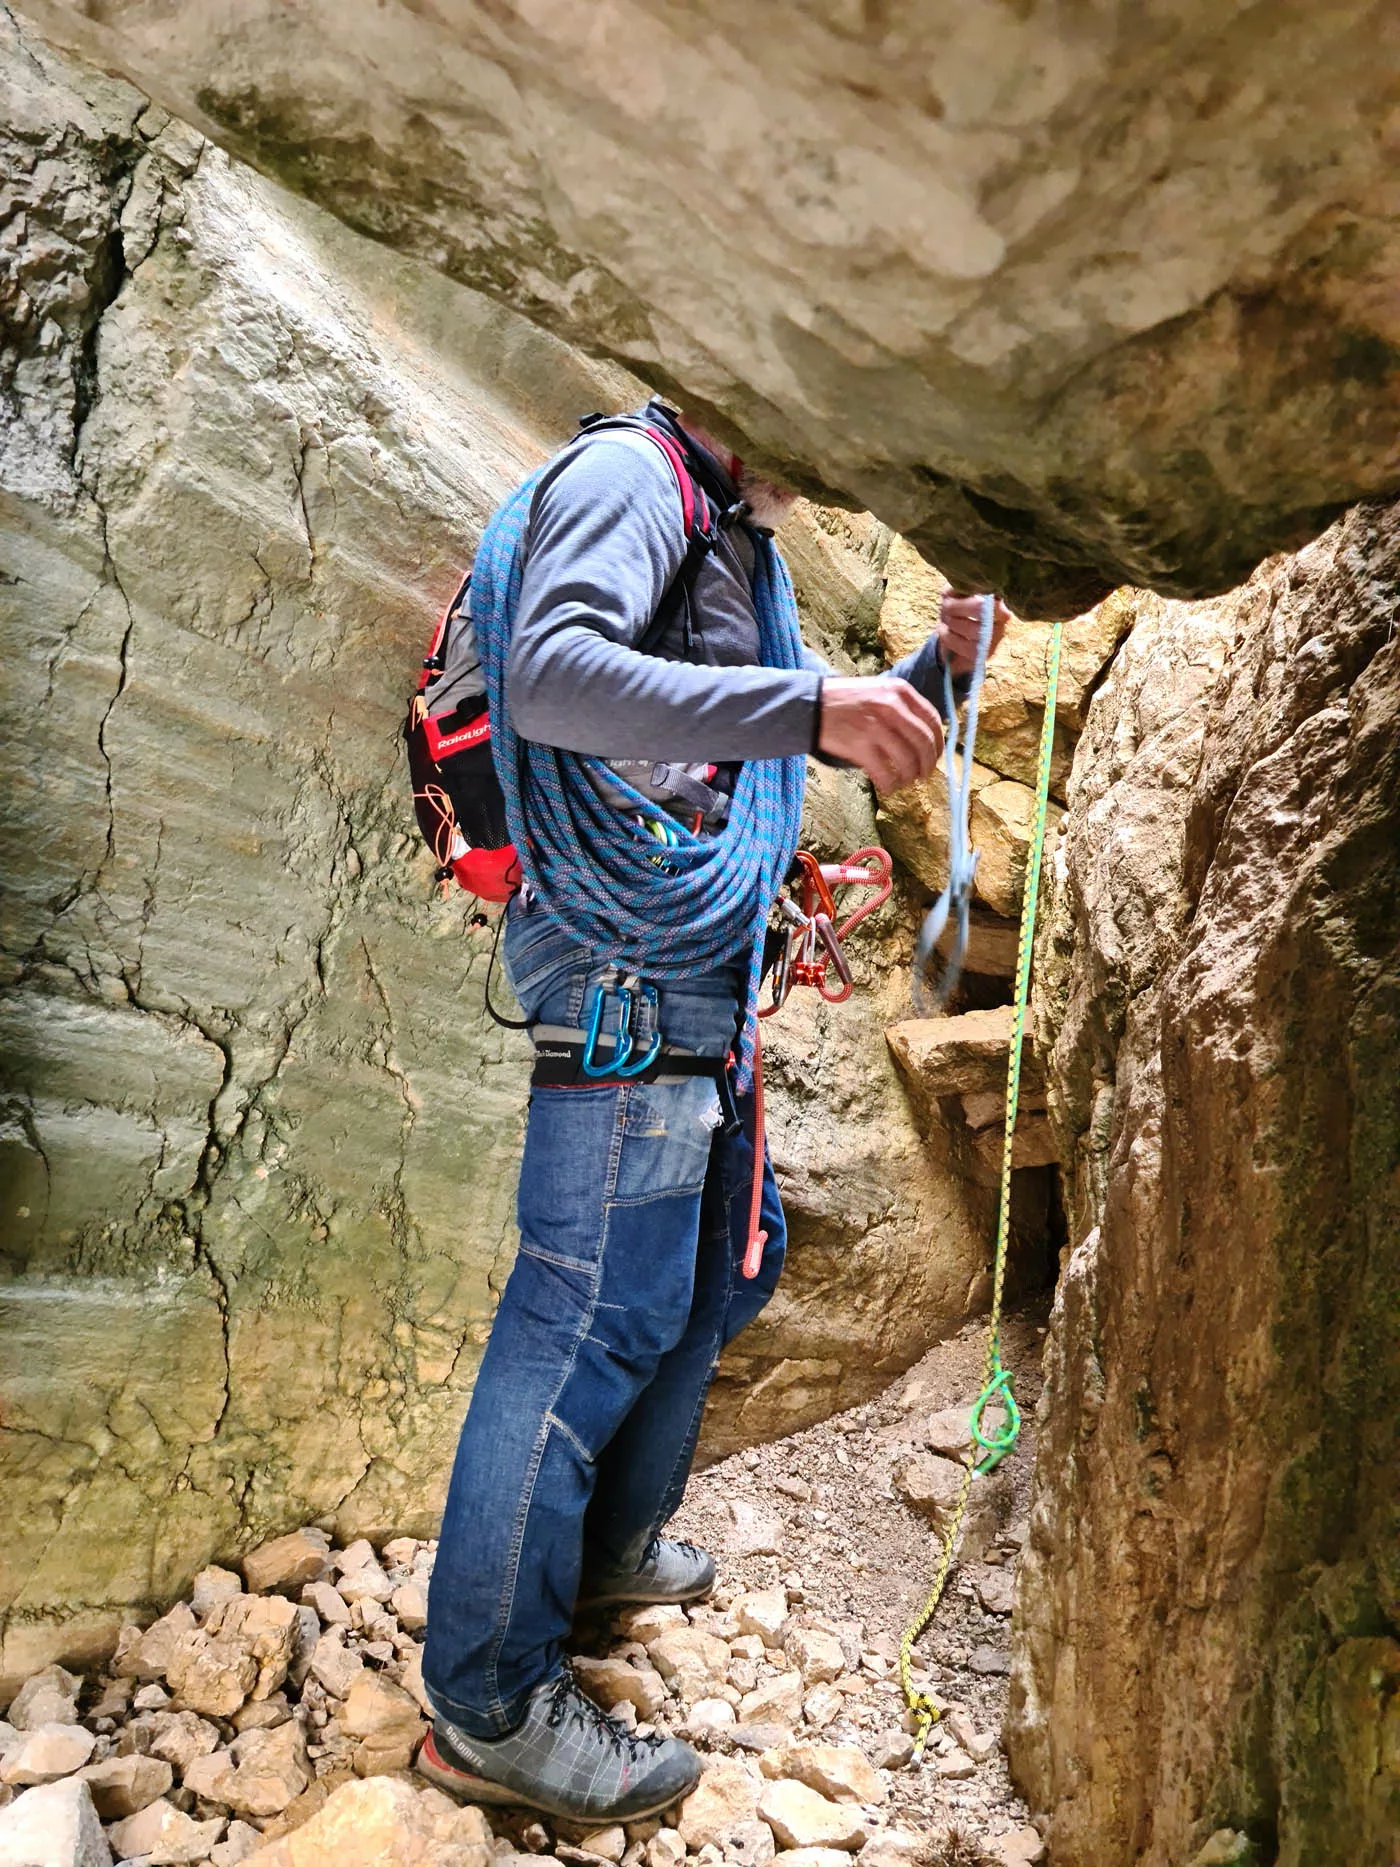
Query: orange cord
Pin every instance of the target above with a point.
(753, 1250)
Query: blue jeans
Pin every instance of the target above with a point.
(633, 1210)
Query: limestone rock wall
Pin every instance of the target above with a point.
(1072, 296)
(1208, 1610)
(257, 1137)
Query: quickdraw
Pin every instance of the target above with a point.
(809, 939)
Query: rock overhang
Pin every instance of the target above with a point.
(1070, 300)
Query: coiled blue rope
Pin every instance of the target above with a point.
(955, 902)
(665, 912)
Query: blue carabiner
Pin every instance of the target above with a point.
(622, 1043)
(652, 997)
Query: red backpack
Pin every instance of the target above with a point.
(456, 795)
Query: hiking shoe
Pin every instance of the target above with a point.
(668, 1572)
(565, 1758)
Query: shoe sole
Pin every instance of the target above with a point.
(464, 1787)
(698, 1593)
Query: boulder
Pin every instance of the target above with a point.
(53, 1825)
(384, 1822)
(802, 1818)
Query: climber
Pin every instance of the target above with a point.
(633, 1197)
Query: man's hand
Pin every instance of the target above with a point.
(883, 726)
(959, 623)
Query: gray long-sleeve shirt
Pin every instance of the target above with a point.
(606, 538)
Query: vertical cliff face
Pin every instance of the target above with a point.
(1209, 1607)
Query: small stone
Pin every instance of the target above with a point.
(894, 1847)
(1227, 1847)
(816, 1655)
(53, 1825)
(149, 1656)
(665, 1849)
(821, 1705)
(411, 1679)
(400, 1551)
(779, 1701)
(948, 1432)
(181, 1736)
(750, 1844)
(335, 1665)
(812, 1857)
(209, 1675)
(211, 1586)
(748, 1647)
(647, 1624)
(755, 1532)
(120, 1786)
(241, 1841)
(367, 1583)
(893, 1750)
(151, 1698)
(610, 1682)
(328, 1602)
(931, 1486)
(48, 1697)
(410, 1602)
(796, 1488)
(262, 1714)
(1023, 1847)
(375, 1707)
(989, 1662)
(608, 1844)
(45, 1754)
(979, 1745)
(762, 1612)
(709, 1715)
(801, 1818)
(287, 1563)
(996, 1590)
(724, 1797)
(955, 1765)
(838, 1771)
(690, 1660)
(757, 1738)
(356, 1555)
(113, 1700)
(265, 1626)
(165, 1834)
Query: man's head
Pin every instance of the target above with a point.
(768, 503)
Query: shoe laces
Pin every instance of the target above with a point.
(570, 1701)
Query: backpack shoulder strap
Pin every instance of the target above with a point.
(695, 517)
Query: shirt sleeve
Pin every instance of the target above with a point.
(606, 537)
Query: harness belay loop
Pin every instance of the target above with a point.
(666, 912)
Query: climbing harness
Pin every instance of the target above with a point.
(995, 1441)
(955, 902)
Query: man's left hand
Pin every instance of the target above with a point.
(960, 623)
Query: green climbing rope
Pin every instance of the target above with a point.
(996, 1378)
